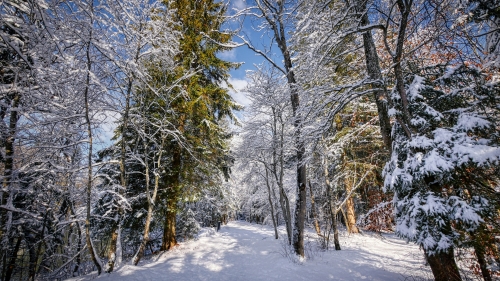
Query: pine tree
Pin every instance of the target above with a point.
(201, 107)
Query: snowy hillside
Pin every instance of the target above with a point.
(244, 251)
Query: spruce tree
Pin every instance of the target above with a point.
(443, 176)
(201, 106)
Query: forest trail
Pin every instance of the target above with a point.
(244, 251)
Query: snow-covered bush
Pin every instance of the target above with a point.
(443, 177)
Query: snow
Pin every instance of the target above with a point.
(244, 251)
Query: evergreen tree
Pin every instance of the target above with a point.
(200, 105)
(443, 176)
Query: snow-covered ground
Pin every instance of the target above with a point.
(244, 251)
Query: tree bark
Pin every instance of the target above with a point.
(351, 216)
(374, 72)
(443, 266)
(112, 247)
(169, 239)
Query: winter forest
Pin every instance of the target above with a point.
(120, 137)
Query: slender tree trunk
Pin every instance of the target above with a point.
(333, 208)
(145, 237)
(333, 217)
(300, 202)
(151, 202)
(314, 213)
(404, 8)
(285, 209)
(335, 229)
(90, 246)
(284, 203)
(271, 204)
(33, 258)
(278, 161)
(4, 264)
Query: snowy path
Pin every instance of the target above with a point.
(243, 251)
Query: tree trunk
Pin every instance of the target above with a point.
(172, 197)
(443, 266)
(285, 209)
(271, 204)
(373, 69)
(145, 236)
(6, 216)
(278, 161)
(169, 240)
(480, 254)
(300, 206)
(112, 247)
(151, 202)
(351, 216)
(314, 213)
(333, 208)
(93, 255)
(112, 255)
(335, 229)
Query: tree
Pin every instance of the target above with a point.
(199, 104)
(266, 137)
(435, 202)
(276, 18)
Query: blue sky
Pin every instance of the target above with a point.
(243, 54)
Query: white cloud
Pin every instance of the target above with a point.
(239, 4)
(228, 55)
(238, 94)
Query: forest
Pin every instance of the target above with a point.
(120, 136)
